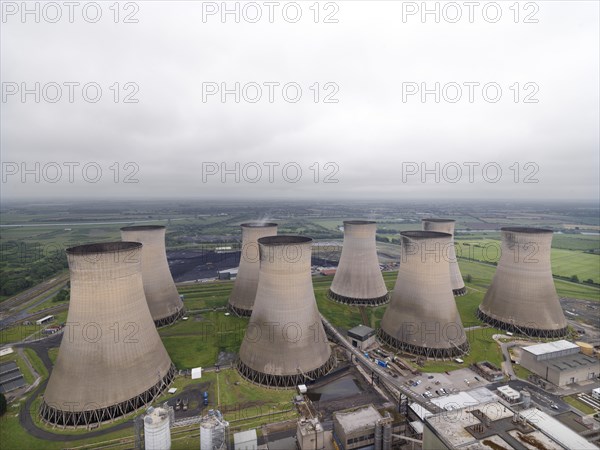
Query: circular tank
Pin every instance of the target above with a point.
(157, 433)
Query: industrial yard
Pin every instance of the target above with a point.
(209, 335)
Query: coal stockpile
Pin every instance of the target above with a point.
(189, 265)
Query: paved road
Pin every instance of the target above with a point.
(538, 395)
(25, 414)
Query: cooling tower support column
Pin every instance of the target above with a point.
(358, 280)
(243, 294)
(111, 360)
(422, 317)
(447, 226)
(522, 297)
(162, 296)
(285, 342)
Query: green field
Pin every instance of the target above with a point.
(565, 263)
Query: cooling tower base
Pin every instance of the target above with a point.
(55, 416)
(358, 301)
(459, 292)
(240, 312)
(170, 319)
(527, 331)
(436, 353)
(284, 381)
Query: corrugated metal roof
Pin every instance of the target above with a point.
(556, 430)
(550, 347)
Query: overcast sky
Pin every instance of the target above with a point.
(374, 58)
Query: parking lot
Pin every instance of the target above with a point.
(452, 382)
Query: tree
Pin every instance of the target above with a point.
(574, 278)
(468, 278)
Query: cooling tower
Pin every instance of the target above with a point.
(162, 296)
(358, 280)
(246, 281)
(522, 297)
(422, 317)
(447, 226)
(285, 343)
(111, 360)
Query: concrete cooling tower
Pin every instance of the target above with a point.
(358, 280)
(422, 317)
(447, 226)
(111, 360)
(162, 296)
(285, 343)
(522, 297)
(242, 296)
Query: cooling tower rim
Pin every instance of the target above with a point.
(103, 247)
(143, 228)
(258, 225)
(423, 234)
(438, 220)
(359, 222)
(529, 230)
(284, 239)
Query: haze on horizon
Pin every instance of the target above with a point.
(175, 141)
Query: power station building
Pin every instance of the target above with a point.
(243, 294)
(162, 296)
(422, 317)
(358, 280)
(522, 297)
(285, 343)
(111, 359)
(447, 226)
(560, 362)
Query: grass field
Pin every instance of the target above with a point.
(198, 341)
(21, 364)
(565, 263)
(483, 348)
(578, 404)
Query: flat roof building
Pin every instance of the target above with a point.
(361, 336)
(357, 428)
(496, 425)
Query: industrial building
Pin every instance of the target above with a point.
(358, 280)
(161, 294)
(362, 427)
(285, 343)
(447, 226)
(522, 297)
(559, 362)
(362, 336)
(157, 428)
(243, 294)
(496, 425)
(310, 434)
(214, 431)
(245, 440)
(111, 360)
(422, 317)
